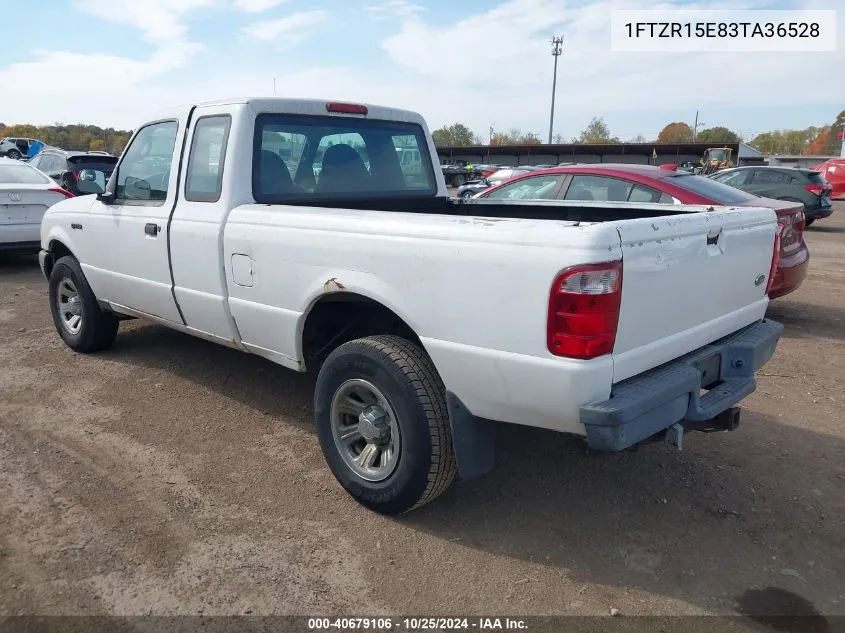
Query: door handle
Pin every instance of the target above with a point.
(151, 229)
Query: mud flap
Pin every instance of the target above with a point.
(472, 439)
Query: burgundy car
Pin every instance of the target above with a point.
(665, 185)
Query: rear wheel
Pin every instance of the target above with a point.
(83, 325)
(467, 194)
(809, 221)
(382, 422)
(458, 180)
(14, 154)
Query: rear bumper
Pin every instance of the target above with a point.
(791, 272)
(818, 212)
(645, 405)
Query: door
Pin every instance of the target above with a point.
(196, 229)
(126, 252)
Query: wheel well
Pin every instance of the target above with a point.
(340, 317)
(57, 251)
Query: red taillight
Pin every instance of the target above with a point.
(64, 192)
(775, 258)
(346, 108)
(584, 310)
(816, 189)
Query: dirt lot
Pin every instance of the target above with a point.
(170, 475)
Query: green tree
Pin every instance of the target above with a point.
(677, 132)
(515, 136)
(717, 135)
(597, 132)
(455, 135)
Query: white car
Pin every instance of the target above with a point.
(25, 194)
(422, 316)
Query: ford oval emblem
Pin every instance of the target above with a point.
(760, 279)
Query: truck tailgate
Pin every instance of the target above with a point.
(688, 280)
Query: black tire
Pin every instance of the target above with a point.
(409, 381)
(458, 180)
(14, 154)
(809, 221)
(98, 328)
(468, 194)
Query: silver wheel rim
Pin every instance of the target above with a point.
(365, 430)
(69, 304)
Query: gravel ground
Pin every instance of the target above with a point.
(172, 476)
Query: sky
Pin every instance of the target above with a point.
(111, 62)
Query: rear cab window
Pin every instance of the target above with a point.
(301, 157)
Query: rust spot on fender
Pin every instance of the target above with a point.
(333, 283)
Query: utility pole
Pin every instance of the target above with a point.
(695, 127)
(557, 49)
(274, 87)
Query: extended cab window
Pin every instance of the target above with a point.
(311, 157)
(204, 182)
(144, 172)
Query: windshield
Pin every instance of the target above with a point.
(718, 154)
(22, 175)
(716, 191)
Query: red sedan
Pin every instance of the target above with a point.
(646, 183)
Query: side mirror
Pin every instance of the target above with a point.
(91, 181)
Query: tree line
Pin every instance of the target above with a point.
(814, 140)
(78, 137)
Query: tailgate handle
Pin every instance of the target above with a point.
(713, 236)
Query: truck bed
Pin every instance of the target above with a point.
(527, 209)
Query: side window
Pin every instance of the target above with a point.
(144, 172)
(602, 188)
(766, 177)
(536, 188)
(36, 161)
(204, 181)
(665, 198)
(732, 179)
(644, 194)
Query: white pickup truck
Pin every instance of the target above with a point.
(422, 316)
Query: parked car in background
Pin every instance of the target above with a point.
(25, 194)
(16, 147)
(806, 186)
(664, 185)
(833, 171)
(64, 166)
(500, 175)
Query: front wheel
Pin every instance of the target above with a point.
(14, 154)
(83, 325)
(383, 425)
(467, 194)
